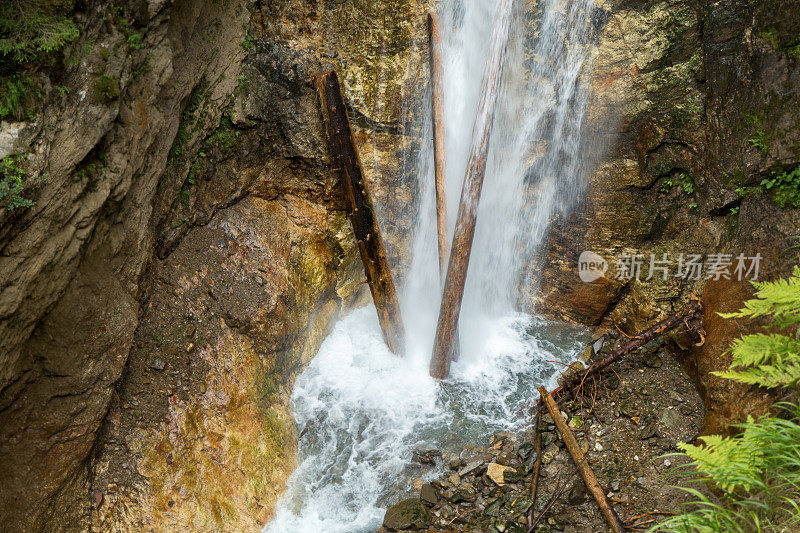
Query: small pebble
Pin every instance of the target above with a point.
(598, 447)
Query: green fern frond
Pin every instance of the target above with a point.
(779, 299)
(765, 360)
(730, 462)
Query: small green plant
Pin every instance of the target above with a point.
(106, 88)
(683, 180)
(771, 37)
(794, 246)
(758, 472)
(134, 41)
(786, 186)
(13, 179)
(248, 42)
(184, 195)
(18, 96)
(188, 120)
(224, 139)
(142, 67)
(759, 138)
(31, 29)
(80, 53)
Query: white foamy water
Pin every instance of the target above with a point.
(365, 410)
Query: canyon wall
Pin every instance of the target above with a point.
(694, 105)
(186, 254)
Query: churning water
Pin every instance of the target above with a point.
(365, 409)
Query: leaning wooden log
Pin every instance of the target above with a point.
(537, 465)
(437, 112)
(360, 209)
(690, 314)
(461, 248)
(580, 461)
(439, 159)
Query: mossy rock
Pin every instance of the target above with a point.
(407, 514)
(106, 88)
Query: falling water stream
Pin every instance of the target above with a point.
(368, 410)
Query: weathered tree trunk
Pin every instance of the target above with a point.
(470, 195)
(537, 465)
(437, 109)
(361, 210)
(580, 461)
(688, 313)
(439, 159)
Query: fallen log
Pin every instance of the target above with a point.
(360, 209)
(691, 312)
(439, 159)
(437, 112)
(461, 247)
(537, 466)
(580, 461)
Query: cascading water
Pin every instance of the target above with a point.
(367, 410)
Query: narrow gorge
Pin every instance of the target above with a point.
(188, 340)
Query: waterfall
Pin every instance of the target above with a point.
(534, 166)
(366, 409)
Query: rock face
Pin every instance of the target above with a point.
(185, 257)
(706, 96)
(71, 266)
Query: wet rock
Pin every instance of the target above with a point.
(525, 450)
(671, 420)
(501, 437)
(466, 493)
(428, 494)
(407, 514)
(598, 344)
(453, 461)
(425, 456)
(653, 361)
(475, 467)
(578, 494)
(493, 508)
(628, 408)
(522, 505)
(648, 432)
(496, 473)
(611, 381)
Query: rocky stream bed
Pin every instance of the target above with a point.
(629, 421)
